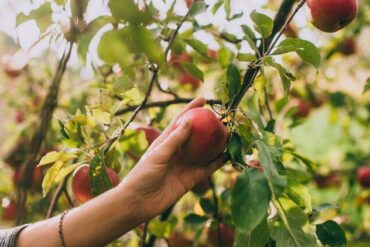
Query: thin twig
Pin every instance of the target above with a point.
(145, 233)
(165, 103)
(54, 201)
(159, 86)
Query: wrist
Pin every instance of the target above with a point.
(133, 202)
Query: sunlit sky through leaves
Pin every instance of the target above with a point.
(28, 33)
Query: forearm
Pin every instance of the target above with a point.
(95, 223)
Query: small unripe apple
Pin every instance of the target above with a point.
(14, 64)
(150, 133)
(202, 187)
(9, 210)
(348, 47)
(81, 183)
(332, 15)
(363, 176)
(186, 78)
(208, 136)
(227, 235)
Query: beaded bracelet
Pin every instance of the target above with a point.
(60, 228)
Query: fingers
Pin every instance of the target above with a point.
(174, 141)
(198, 102)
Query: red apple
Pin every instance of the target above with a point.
(19, 117)
(190, 2)
(332, 15)
(212, 54)
(363, 176)
(177, 59)
(328, 181)
(14, 64)
(348, 47)
(150, 133)
(256, 164)
(208, 136)
(202, 187)
(178, 239)
(227, 235)
(291, 31)
(81, 183)
(9, 210)
(303, 109)
(186, 78)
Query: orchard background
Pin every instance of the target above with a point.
(90, 82)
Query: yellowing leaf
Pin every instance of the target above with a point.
(50, 177)
(65, 172)
(49, 158)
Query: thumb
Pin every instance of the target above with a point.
(175, 140)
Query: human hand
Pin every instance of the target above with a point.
(163, 174)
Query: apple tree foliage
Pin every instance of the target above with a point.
(258, 94)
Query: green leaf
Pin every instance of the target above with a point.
(217, 6)
(249, 32)
(262, 23)
(195, 219)
(228, 8)
(128, 11)
(285, 75)
(113, 49)
(50, 176)
(330, 233)
(286, 49)
(305, 49)
(198, 46)
(367, 86)
(91, 29)
(141, 39)
(257, 238)
(197, 8)
(99, 180)
(233, 81)
(235, 149)
(225, 57)
(298, 193)
(287, 230)
(277, 182)
(207, 205)
(246, 57)
(122, 84)
(250, 198)
(41, 14)
(193, 70)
